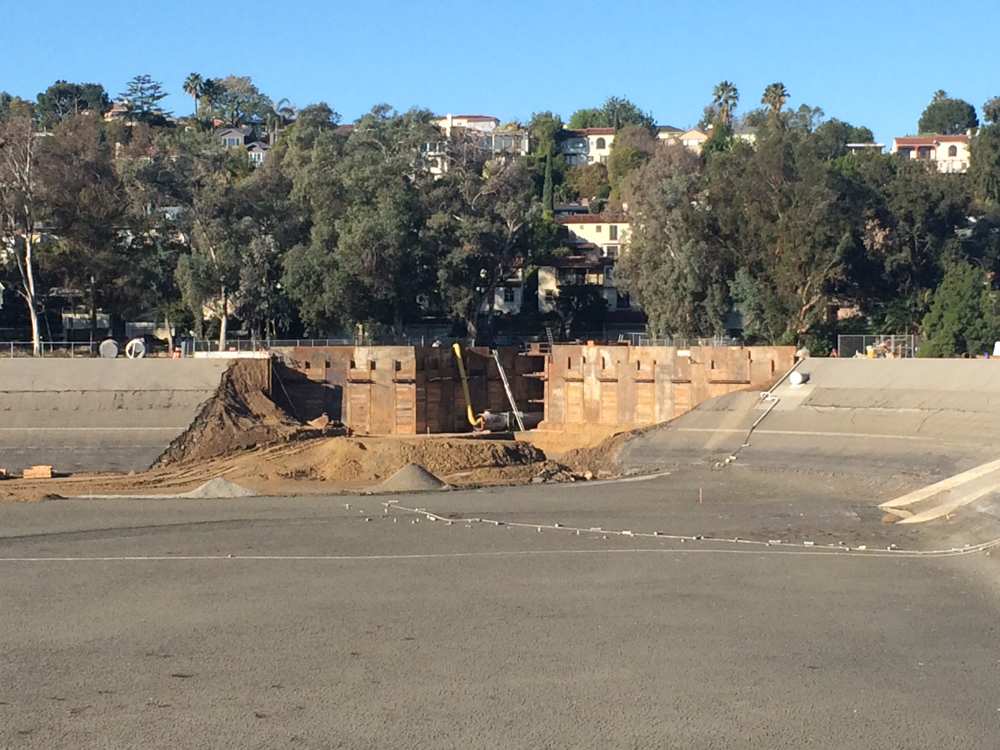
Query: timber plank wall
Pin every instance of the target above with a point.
(404, 390)
(643, 385)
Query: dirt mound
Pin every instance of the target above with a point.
(309, 466)
(238, 417)
(601, 459)
(362, 461)
(219, 487)
(411, 478)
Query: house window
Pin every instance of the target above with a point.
(952, 151)
(611, 251)
(923, 152)
(598, 229)
(550, 297)
(613, 232)
(601, 143)
(508, 294)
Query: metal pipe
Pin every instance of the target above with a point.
(465, 385)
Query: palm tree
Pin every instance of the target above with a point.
(193, 87)
(724, 97)
(211, 90)
(774, 98)
(286, 110)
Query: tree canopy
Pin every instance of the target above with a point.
(63, 98)
(947, 116)
(616, 112)
(141, 98)
(386, 222)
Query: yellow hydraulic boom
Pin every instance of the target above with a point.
(465, 385)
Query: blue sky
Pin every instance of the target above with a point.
(869, 63)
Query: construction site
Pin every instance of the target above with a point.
(321, 419)
(332, 418)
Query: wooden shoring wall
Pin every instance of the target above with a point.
(642, 385)
(409, 390)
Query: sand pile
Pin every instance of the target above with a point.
(600, 460)
(318, 466)
(364, 461)
(219, 487)
(239, 416)
(411, 478)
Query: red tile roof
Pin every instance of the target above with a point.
(930, 140)
(599, 131)
(588, 219)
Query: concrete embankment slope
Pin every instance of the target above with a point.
(98, 414)
(917, 417)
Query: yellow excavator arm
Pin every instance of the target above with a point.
(465, 385)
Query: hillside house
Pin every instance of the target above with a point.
(949, 153)
(593, 244)
(247, 137)
(484, 129)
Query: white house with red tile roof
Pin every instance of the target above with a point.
(950, 153)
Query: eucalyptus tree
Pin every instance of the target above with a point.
(21, 211)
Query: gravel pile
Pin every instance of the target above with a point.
(411, 478)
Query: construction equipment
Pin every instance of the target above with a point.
(488, 420)
(465, 387)
(506, 387)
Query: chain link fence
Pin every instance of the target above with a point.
(893, 346)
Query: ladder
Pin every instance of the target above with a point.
(506, 387)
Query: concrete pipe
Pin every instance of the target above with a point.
(798, 378)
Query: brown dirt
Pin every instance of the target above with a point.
(602, 458)
(315, 466)
(238, 417)
(556, 442)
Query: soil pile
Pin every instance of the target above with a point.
(411, 478)
(238, 417)
(602, 459)
(309, 466)
(363, 461)
(219, 487)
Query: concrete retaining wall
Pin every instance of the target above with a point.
(98, 415)
(879, 418)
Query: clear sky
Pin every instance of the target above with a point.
(872, 63)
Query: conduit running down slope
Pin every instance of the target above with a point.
(869, 418)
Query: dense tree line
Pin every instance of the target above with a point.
(339, 225)
(366, 223)
(795, 224)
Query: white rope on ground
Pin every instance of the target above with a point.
(770, 545)
(451, 555)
